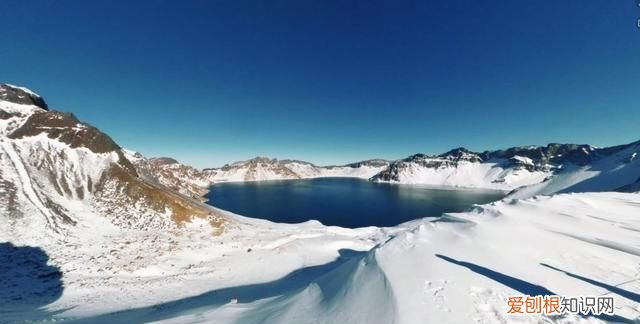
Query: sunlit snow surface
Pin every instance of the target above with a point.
(449, 270)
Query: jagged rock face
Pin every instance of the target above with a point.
(370, 163)
(163, 161)
(21, 96)
(545, 157)
(263, 168)
(259, 168)
(529, 159)
(502, 169)
(170, 173)
(66, 128)
(122, 192)
(450, 159)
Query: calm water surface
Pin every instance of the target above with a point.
(345, 202)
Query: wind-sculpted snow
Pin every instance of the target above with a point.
(341, 291)
(459, 268)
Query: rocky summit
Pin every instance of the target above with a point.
(21, 96)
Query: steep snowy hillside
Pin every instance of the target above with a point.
(56, 170)
(547, 169)
(170, 173)
(464, 168)
(612, 169)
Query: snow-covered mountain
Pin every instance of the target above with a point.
(614, 168)
(542, 169)
(263, 168)
(54, 170)
(92, 233)
(195, 183)
(172, 174)
(526, 170)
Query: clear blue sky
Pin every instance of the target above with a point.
(210, 82)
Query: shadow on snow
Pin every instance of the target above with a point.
(524, 287)
(27, 283)
(619, 291)
(294, 281)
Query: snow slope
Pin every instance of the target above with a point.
(490, 175)
(528, 170)
(610, 173)
(459, 268)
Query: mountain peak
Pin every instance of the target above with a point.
(457, 152)
(163, 160)
(262, 159)
(21, 95)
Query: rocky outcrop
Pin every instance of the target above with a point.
(58, 167)
(170, 173)
(23, 96)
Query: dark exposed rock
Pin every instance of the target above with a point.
(457, 152)
(372, 163)
(5, 115)
(66, 128)
(19, 96)
(542, 158)
(554, 153)
(163, 161)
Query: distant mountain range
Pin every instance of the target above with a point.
(526, 170)
(58, 167)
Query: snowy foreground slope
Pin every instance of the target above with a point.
(459, 268)
(90, 233)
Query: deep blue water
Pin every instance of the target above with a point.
(345, 202)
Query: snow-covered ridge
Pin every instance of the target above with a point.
(54, 169)
(262, 168)
(526, 169)
(169, 172)
(195, 183)
(21, 96)
(520, 167)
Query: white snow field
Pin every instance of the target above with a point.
(458, 268)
